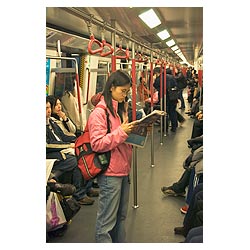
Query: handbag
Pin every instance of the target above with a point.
(70, 206)
(91, 163)
(55, 217)
(173, 94)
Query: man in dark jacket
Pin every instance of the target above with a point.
(171, 104)
(170, 81)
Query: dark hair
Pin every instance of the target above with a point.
(116, 79)
(169, 71)
(52, 100)
(156, 70)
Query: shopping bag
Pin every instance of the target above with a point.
(55, 217)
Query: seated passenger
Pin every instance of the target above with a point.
(59, 117)
(61, 147)
(195, 235)
(194, 215)
(187, 179)
(197, 129)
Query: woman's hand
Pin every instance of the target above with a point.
(62, 115)
(127, 127)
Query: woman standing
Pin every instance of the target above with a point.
(114, 183)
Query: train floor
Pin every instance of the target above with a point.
(154, 219)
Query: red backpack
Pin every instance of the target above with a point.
(91, 163)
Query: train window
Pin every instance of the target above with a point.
(102, 75)
(64, 82)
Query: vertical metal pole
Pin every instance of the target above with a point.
(161, 106)
(133, 118)
(165, 98)
(78, 96)
(152, 108)
(113, 57)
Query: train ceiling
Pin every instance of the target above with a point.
(185, 25)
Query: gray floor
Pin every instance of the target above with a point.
(157, 215)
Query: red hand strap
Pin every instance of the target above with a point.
(91, 42)
(111, 49)
(121, 51)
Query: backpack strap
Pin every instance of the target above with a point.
(107, 115)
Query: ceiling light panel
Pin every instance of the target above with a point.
(150, 18)
(163, 34)
(170, 43)
(175, 48)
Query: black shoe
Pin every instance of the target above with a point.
(170, 191)
(173, 130)
(63, 189)
(180, 230)
(86, 201)
(93, 193)
(57, 233)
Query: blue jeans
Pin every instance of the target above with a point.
(69, 165)
(191, 185)
(195, 235)
(181, 98)
(78, 182)
(112, 210)
(172, 114)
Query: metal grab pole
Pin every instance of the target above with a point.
(165, 99)
(134, 118)
(135, 177)
(161, 106)
(113, 56)
(152, 108)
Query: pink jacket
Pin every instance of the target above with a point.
(121, 153)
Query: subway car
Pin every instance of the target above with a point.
(84, 47)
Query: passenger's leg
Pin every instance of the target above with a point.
(181, 99)
(190, 186)
(183, 182)
(118, 233)
(178, 188)
(109, 200)
(195, 235)
(64, 166)
(180, 118)
(188, 222)
(78, 182)
(190, 219)
(197, 128)
(172, 115)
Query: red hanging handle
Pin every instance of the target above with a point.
(91, 42)
(139, 58)
(122, 51)
(111, 49)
